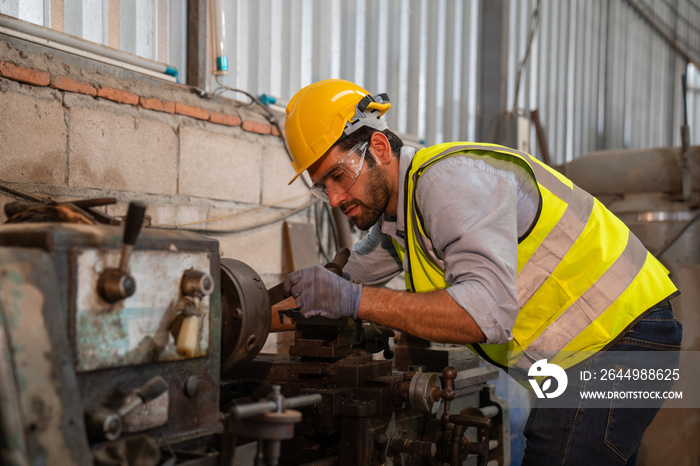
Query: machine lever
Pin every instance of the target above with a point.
(132, 227)
(117, 284)
(254, 409)
(151, 390)
(107, 424)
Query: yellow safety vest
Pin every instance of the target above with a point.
(582, 278)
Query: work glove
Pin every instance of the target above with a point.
(319, 292)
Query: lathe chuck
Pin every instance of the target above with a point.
(245, 314)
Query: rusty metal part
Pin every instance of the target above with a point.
(245, 308)
(364, 408)
(86, 353)
(410, 351)
(320, 337)
(140, 329)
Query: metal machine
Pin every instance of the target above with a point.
(120, 348)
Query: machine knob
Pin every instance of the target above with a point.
(196, 283)
(114, 285)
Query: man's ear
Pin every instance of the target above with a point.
(380, 147)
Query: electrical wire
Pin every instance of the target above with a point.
(211, 232)
(325, 223)
(226, 217)
(268, 113)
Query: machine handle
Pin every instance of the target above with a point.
(152, 389)
(134, 220)
(254, 409)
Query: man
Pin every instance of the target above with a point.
(500, 252)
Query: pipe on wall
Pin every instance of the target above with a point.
(632, 171)
(219, 36)
(77, 46)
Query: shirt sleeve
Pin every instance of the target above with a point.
(373, 260)
(469, 210)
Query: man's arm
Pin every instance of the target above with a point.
(433, 316)
(469, 211)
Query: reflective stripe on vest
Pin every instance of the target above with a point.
(547, 324)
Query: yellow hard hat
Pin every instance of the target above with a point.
(319, 114)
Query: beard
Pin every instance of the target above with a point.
(377, 192)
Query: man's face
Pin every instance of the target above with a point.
(366, 200)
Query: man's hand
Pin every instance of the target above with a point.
(317, 291)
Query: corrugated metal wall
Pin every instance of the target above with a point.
(422, 53)
(600, 76)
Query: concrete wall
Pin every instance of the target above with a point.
(73, 129)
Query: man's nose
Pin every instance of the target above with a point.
(334, 199)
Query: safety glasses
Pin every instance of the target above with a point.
(341, 176)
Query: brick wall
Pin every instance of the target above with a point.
(73, 129)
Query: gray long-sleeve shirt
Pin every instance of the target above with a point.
(474, 208)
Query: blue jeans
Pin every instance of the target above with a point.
(602, 436)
